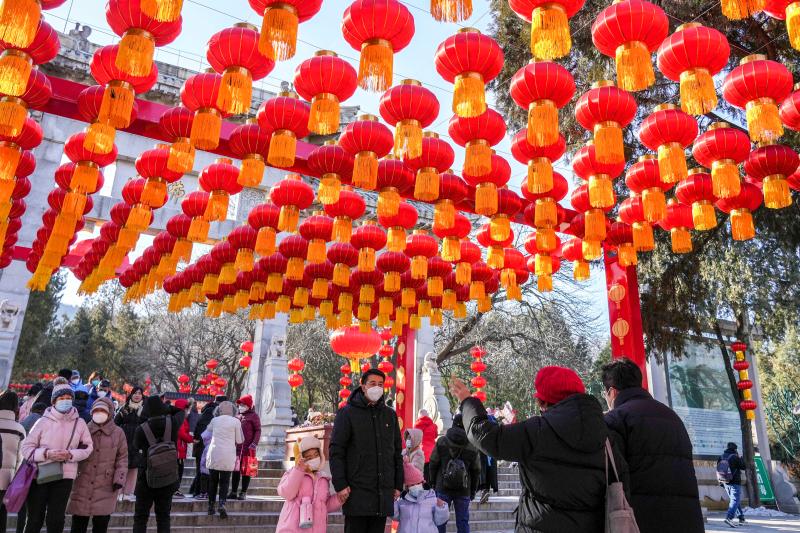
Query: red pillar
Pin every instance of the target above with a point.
(404, 382)
(624, 313)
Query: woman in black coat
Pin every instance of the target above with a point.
(129, 417)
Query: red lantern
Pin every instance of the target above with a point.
(378, 29)
(14, 110)
(605, 110)
(692, 56)
(486, 186)
(398, 225)
(325, 80)
(452, 190)
(542, 87)
(539, 161)
(344, 256)
(759, 85)
(278, 38)
(630, 31)
(245, 361)
(572, 250)
(13, 147)
(354, 344)
(317, 230)
(588, 165)
(593, 223)
(508, 205)
(669, 131)
(292, 195)
(772, 165)
(200, 94)
(787, 10)
(790, 109)
(410, 108)
(264, 218)
(295, 249)
(543, 211)
(437, 156)
(368, 239)
(644, 179)
(295, 380)
(17, 57)
(550, 36)
(722, 148)
(469, 60)
(496, 254)
(481, 395)
(367, 140)
(620, 235)
(393, 179)
(392, 265)
(296, 364)
(211, 364)
(194, 205)
(140, 35)
(451, 237)
(741, 365)
(221, 180)
(250, 143)
(286, 117)
(678, 221)
(698, 191)
(631, 212)
(334, 166)
(183, 378)
(478, 135)
(420, 247)
(176, 124)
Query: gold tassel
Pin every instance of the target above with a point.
(345, 301)
(309, 313)
(74, 203)
(385, 306)
(486, 199)
(469, 95)
(294, 268)
(608, 142)
(408, 297)
(627, 255)
(366, 259)
(681, 240)
(704, 216)
(388, 202)
(15, 71)
(396, 239)
(435, 286)
(508, 278)
(495, 257)
(319, 289)
(139, 218)
(182, 251)
(463, 273)
(84, 177)
(241, 299)
(643, 237)
(366, 294)
(672, 163)
(601, 191)
(252, 171)
(282, 149)
(485, 304)
(375, 65)
(283, 304)
(544, 283)
(162, 10)
(436, 317)
(460, 310)
(265, 241)
(793, 24)
(451, 249)
(594, 226)
(580, 271)
(365, 170)
(543, 264)
(634, 66)
(6, 189)
(13, 113)
(206, 128)
(477, 290)
(414, 322)
(550, 38)
(424, 308)
(326, 308)
(316, 251)
(500, 227)
(288, 218)
(342, 229)
(408, 139)
(341, 275)
(740, 9)
(154, 193)
(295, 316)
(274, 282)
(217, 207)
(776, 192)
(244, 260)
(181, 155)
(279, 32)
(545, 213)
(419, 267)
(235, 91)
(166, 266)
(451, 10)
(426, 186)
(136, 49)
(542, 123)
(19, 20)
(324, 117)
(698, 94)
(300, 298)
(478, 158)
(329, 187)
(198, 230)
(268, 311)
(725, 178)
(654, 204)
(99, 138)
(117, 104)
(540, 175)
(546, 240)
(449, 300)
(391, 281)
(763, 122)
(742, 228)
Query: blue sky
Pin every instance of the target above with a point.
(205, 17)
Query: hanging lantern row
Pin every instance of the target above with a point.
(478, 366)
(744, 385)
(295, 366)
(386, 351)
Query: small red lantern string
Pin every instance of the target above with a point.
(478, 366)
(295, 365)
(744, 385)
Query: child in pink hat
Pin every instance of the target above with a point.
(418, 510)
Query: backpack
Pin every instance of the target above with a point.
(724, 472)
(455, 475)
(162, 457)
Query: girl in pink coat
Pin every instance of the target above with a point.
(308, 492)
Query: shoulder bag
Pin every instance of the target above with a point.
(54, 471)
(619, 514)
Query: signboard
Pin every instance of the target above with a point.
(764, 484)
(700, 393)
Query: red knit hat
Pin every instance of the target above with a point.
(555, 383)
(246, 401)
(412, 475)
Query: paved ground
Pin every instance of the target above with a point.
(754, 525)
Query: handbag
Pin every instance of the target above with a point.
(619, 514)
(17, 491)
(251, 465)
(54, 471)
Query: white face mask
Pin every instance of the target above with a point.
(243, 409)
(99, 417)
(408, 444)
(374, 394)
(76, 380)
(314, 463)
(415, 490)
(102, 393)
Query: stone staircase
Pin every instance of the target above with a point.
(259, 513)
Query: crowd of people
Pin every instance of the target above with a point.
(88, 454)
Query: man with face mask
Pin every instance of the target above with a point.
(101, 390)
(366, 460)
(76, 383)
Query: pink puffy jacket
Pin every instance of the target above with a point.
(297, 484)
(52, 432)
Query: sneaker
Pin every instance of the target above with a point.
(201, 497)
(222, 512)
(242, 496)
(178, 494)
(741, 520)
(729, 522)
(211, 510)
(232, 496)
(129, 497)
(485, 496)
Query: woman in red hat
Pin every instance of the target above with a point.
(251, 428)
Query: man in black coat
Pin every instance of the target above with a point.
(561, 454)
(365, 457)
(455, 445)
(657, 448)
(734, 486)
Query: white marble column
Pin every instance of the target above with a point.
(13, 302)
(432, 396)
(423, 344)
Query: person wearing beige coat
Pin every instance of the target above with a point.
(102, 475)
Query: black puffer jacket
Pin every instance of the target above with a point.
(561, 457)
(366, 456)
(454, 444)
(157, 414)
(129, 419)
(657, 448)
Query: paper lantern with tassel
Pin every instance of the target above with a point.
(250, 143)
(771, 165)
(698, 191)
(669, 131)
(17, 61)
(741, 9)
(550, 35)
(604, 110)
(469, 60)
(539, 161)
(630, 31)
(225, 254)
(495, 255)
(789, 111)
(572, 250)
(292, 195)
(543, 264)
(788, 10)
(692, 56)
(286, 117)
(367, 140)
(594, 222)
(176, 124)
(599, 175)
(678, 221)
(25, 167)
(264, 219)
(318, 231)
(452, 191)
(481, 279)
(368, 239)
(513, 261)
(140, 34)
(740, 208)
(194, 205)
(378, 29)
(544, 282)
(121, 88)
(722, 148)
(178, 226)
(21, 189)
(221, 180)
(758, 85)
(363, 284)
(396, 226)
(486, 186)
(420, 247)
(631, 212)
(344, 257)
(281, 18)
(394, 181)
(349, 207)
(644, 179)
(12, 147)
(392, 265)
(162, 10)
(243, 238)
(334, 166)
(542, 212)
(87, 163)
(76, 195)
(438, 269)
(274, 266)
(478, 135)
(620, 235)
(295, 249)
(133, 192)
(470, 253)
(354, 344)
(409, 108)
(542, 88)
(200, 94)
(14, 109)
(437, 156)
(325, 80)
(153, 165)
(508, 205)
(234, 53)
(99, 135)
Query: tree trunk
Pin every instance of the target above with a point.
(748, 452)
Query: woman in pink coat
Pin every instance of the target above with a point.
(308, 491)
